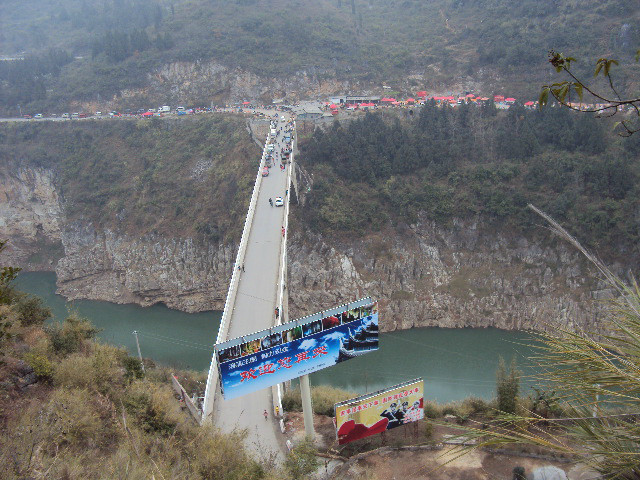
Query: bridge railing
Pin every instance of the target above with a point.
(212, 379)
(277, 389)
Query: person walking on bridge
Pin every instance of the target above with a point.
(266, 415)
(271, 202)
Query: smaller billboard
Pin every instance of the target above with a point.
(377, 412)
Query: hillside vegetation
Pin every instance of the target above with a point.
(188, 177)
(73, 408)
(443, 163)
(497, 43)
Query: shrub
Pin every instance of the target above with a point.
(292, 401)
(302, 460)
(426, 429)
(71, 335)
(323, 399)
(507, 386)
(432, 410)
(31, 311)
(475, 405)
(217, 456)
(154, 407)
(132, 368)
(451, 408)
(97, 371)
(41, 365)
(69, 417)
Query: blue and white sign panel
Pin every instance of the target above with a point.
(304, 346)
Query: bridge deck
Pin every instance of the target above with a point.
(254, 310)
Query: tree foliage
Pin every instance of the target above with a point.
(442, 163)
(609, 101)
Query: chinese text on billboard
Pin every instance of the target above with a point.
(376, 412)
(297, 348)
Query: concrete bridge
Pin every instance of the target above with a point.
(257, 288)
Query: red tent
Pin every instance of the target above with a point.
(411, 100)
(246, 103)
(147, 114)
(529, 104)
(498, 98)
(421, 93)
(333, 106)
(511, 100)
(470, 95)
(388, 99)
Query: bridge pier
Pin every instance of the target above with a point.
(307, 407)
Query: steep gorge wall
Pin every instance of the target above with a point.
(458, 276)
(427, 275)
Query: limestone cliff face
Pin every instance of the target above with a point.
(462, 275)
(178, 272)
(457, 276)
(30, 217)
(188, 82)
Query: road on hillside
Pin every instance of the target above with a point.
(254, 310)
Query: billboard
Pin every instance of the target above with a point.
(376, 412)
(304, 346)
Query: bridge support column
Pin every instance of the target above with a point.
(307, 409)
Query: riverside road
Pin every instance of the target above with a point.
(254, 310)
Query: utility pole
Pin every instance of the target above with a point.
(135, 334)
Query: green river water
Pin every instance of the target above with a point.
(454, 363)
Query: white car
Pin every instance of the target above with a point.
(98, 114)
(37, 115)
(279, 202)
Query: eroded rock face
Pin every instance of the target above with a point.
(103, 265)
(461, 275)
(456, 276)
(30, 218)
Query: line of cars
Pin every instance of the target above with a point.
(160, 111)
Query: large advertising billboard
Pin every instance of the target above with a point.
(297, 348)
(379, 411)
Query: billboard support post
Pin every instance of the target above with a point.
(307, 411)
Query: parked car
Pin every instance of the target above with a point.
(66, 115)
(38, 115)
(265, 172)
(279, 202)
(98, 114)
(27, 116)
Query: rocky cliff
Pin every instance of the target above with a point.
(460, 275)
(455, 276)
(30, 217)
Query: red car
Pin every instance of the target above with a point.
(265, 172)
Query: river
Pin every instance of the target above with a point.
(454, 363)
